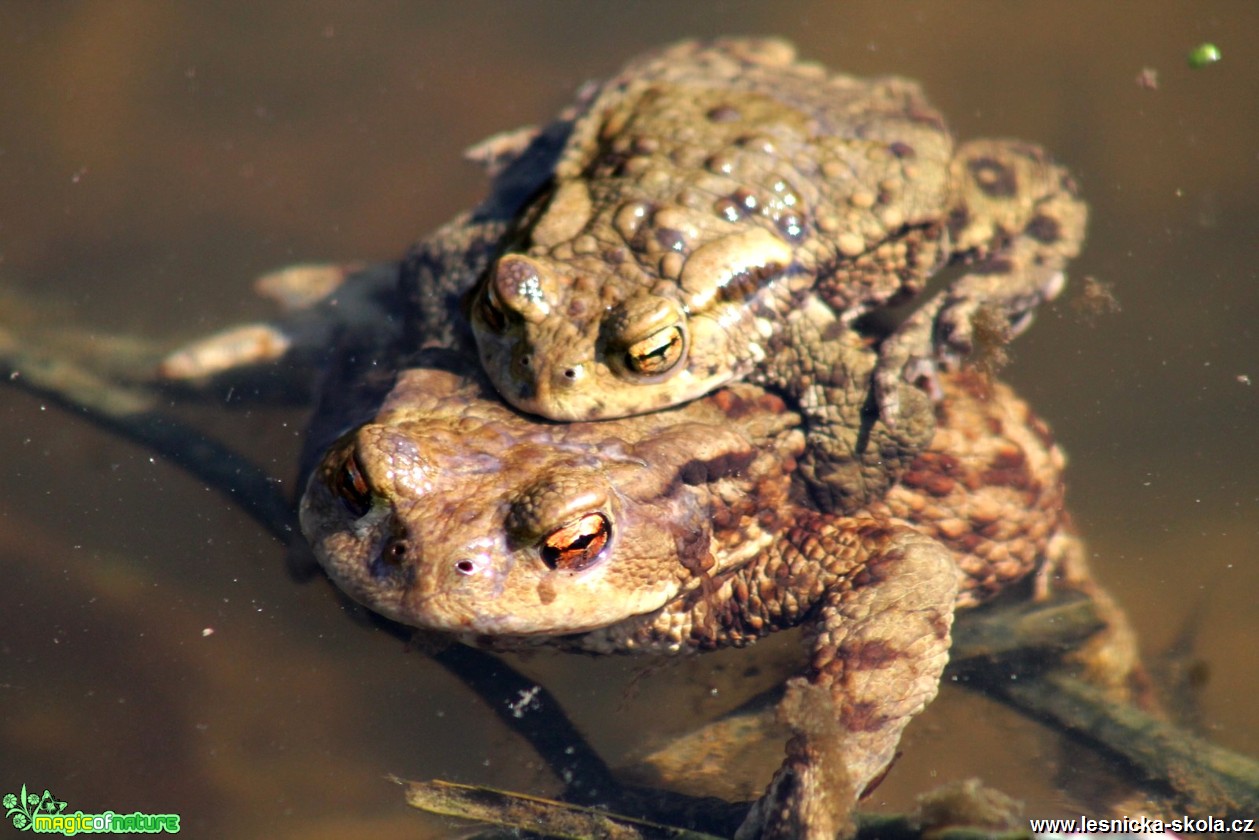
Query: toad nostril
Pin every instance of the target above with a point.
(395, 552)
(465, 567)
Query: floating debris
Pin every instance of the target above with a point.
(1095, 298)
(1204, 54)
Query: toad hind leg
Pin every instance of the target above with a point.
(879, 643)
(1017, 221)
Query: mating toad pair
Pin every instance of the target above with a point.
(685, 269)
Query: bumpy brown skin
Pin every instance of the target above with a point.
(444, 513)
(989, 486)
(709, 189)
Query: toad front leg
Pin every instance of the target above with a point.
(1017, 219)
(854, 456)
(877, 600)
(878, 638)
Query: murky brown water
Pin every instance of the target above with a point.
(154, 158)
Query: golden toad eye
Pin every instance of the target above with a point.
(490, 310)
(577, 545)
(350, 486)
(656, 354)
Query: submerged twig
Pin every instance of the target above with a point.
(535, 814)
(1209, 779)
(132, 413)
(1202, 777)
(549, 818)
(1023, 628)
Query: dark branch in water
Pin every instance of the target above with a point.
(131, 413)
(1023, 628)
(548, 818)
(535, 814)
(1208, 780)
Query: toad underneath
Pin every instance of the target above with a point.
(686, 530)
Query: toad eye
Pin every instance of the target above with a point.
(350, 486)
(658, 353)
(490, 310)
(577, 545)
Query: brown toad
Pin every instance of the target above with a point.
(709, 188)
(684, 530)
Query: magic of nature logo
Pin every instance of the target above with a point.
(46, 814)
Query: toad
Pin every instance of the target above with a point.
(708, 189)
(684, 530)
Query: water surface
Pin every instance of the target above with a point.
(155, 158)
